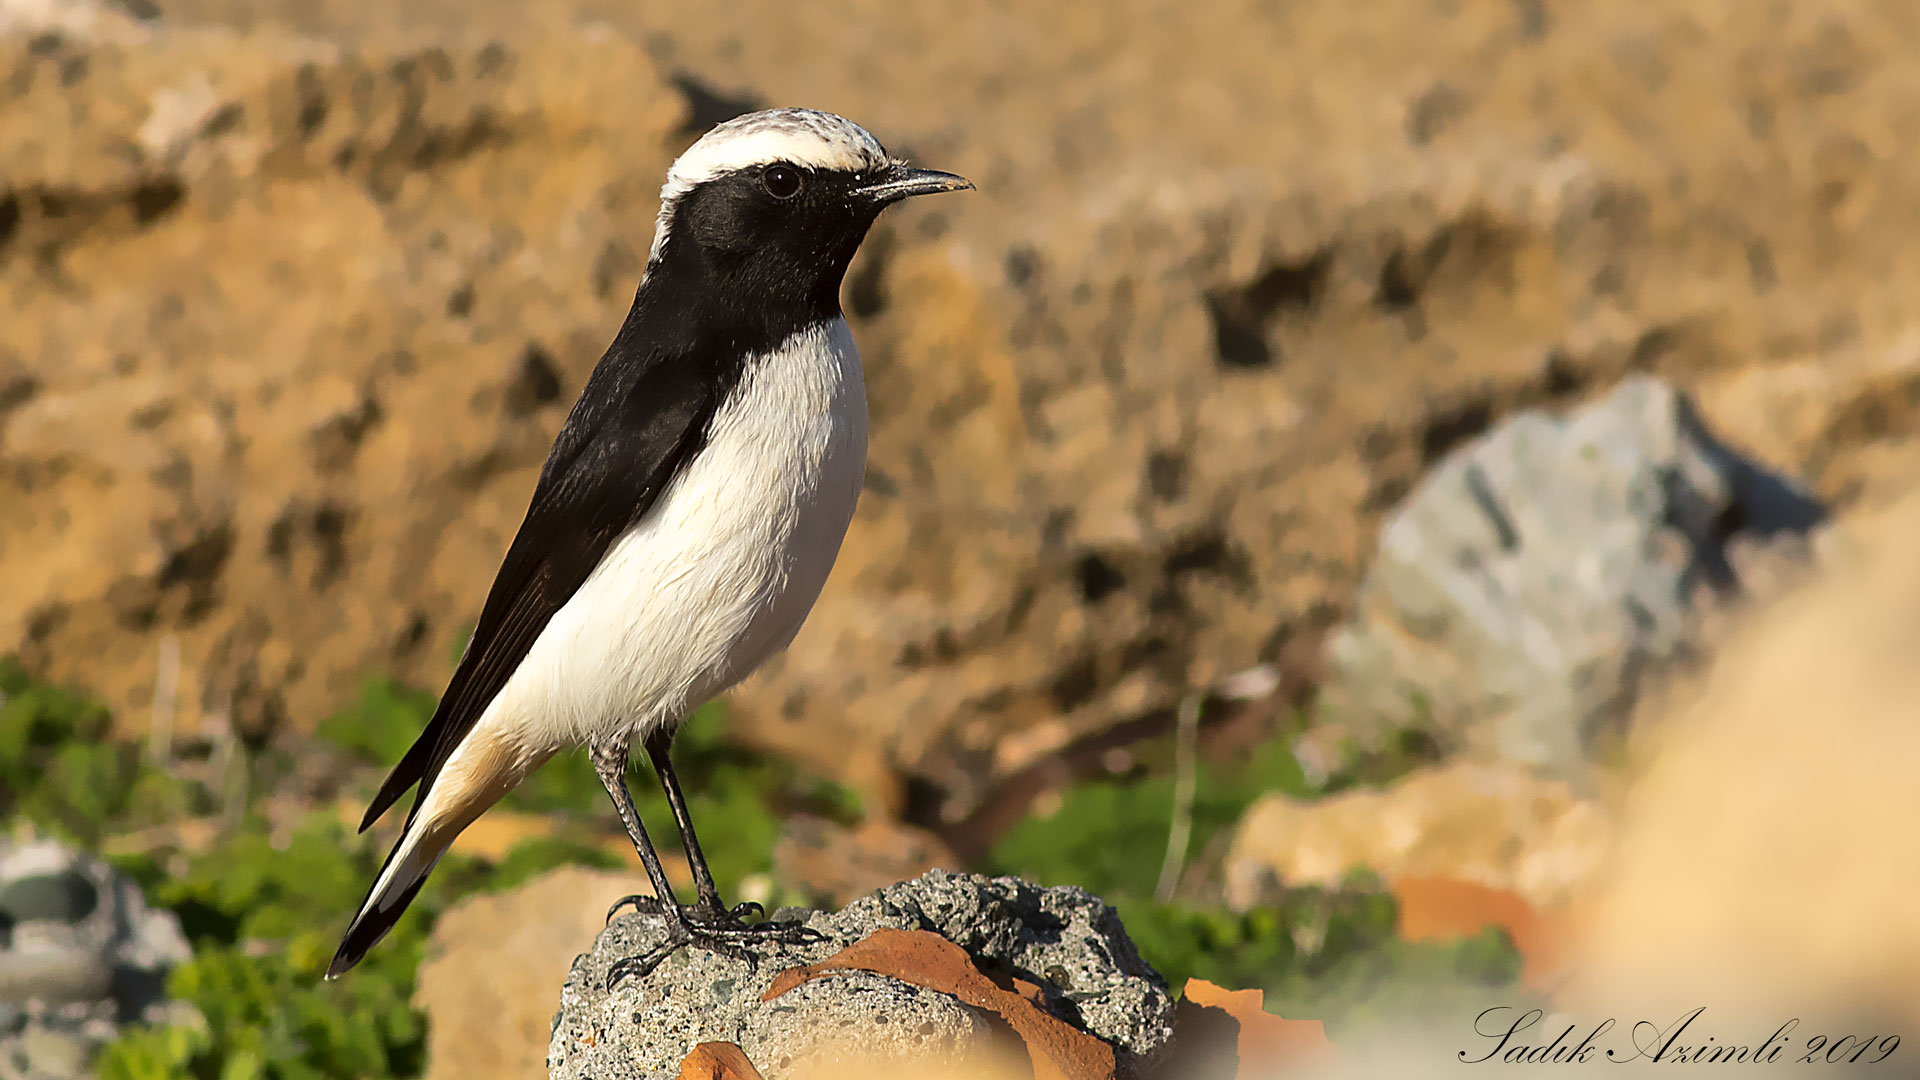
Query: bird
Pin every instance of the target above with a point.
(686, 517)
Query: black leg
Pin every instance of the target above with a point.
(707, 925)
(703, 885)
(610, 761)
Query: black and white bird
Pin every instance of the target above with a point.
(687, 515)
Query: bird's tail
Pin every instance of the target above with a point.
(478, 773)
(406, 869)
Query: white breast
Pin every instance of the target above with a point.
(720, 575)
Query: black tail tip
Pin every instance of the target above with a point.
(371, 925)
(344, 961)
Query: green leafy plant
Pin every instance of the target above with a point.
(1107, 835)
(1325, 954)
(737, 797)
(61, 770)
(381, 723)
(255, 908)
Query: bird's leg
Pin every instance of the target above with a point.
(610, 761)
(709, 905)
(708, 925)
(709, 915)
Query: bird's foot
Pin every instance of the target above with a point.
(641, 903)
(711, 928)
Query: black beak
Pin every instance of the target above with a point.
(898, 182)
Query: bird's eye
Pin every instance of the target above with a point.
(781, 181)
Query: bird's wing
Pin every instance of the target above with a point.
(616, 454)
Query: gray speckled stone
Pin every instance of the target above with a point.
(1063, 939)
(81, 955)
(1523, 589)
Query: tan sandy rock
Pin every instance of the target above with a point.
(297, 294)
(1496, 826)
(491, 964)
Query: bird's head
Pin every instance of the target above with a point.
(776, 202)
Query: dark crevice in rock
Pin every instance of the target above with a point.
(1076, 685)
(314, 107)
(536, 385)
(17, 391)
(1436, 110)
(50, 219)
(1451, 426)
(9, 218)
(1209, 553)
(1097, 578)
(330, 532)
(1243, 316)
(460, 302)
(1475, 248)
(336, 442)
(1167, 475)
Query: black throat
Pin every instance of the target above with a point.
(738, 273)
(751, 268)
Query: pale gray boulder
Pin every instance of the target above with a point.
(1521, 592)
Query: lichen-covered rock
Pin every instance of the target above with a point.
(81, 954)
(1540, 571)
(1061, 939)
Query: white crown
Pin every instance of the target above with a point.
(805, 137)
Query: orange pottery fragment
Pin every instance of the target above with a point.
(1057, 1050)
(1265, 1039)
(718, 1061)
(1444, 909)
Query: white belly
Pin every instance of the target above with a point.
(722, 572)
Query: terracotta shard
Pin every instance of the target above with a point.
(1443, 909)
(1057, 1050)
(718, 1061)
(1266, 1040)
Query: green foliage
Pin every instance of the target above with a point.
(60, 769)
(1109, 836)
(1390, 981)
(736, 796)
(161, 1053)
(1328, 954)
(264, 917)
(268, 1017)
(381, 723)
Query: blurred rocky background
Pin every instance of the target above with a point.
(1295, 471)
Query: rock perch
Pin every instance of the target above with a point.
(1063, 939)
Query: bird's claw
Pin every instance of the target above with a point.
(648, 904)
(715, 931)
(641, 903)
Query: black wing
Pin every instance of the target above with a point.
(620, 448)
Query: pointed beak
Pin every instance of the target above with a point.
(901, 182)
